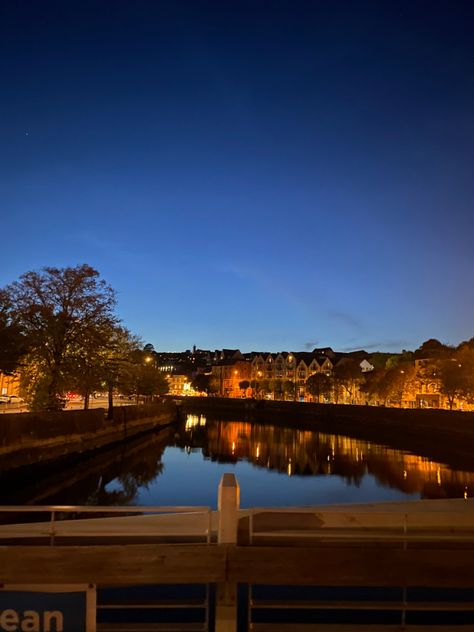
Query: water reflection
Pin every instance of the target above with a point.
(169, 468)
(306, 453)
(112, 477)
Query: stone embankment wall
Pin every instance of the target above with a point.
(444, 435)
(27, 438)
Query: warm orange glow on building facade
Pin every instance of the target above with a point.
(9, 384)
(227, 377)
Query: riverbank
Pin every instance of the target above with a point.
(442, 435)
(31, 438)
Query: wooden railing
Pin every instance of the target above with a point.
(73, 521)
(321, 558)
(298, 525)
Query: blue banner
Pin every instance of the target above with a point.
(22, 611)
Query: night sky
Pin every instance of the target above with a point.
(261, 175)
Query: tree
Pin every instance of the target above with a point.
(103, 367)
(373, 385)
(278, 388)
(255, 386)
(453, 379)
(244, 385)
(133, 373)
(118, 366)
(453, 375)
(13, 344)
(432, 348)
(264, 385)
(201, 382)
(62, 313)
(319, 385)
(88, 375)
(466, 358)
(388, 384)
(346, 376)
(215, 385)
(288, 388)
(395, 381)
(150, 382)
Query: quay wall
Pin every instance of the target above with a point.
(440, 434)
(30, 438)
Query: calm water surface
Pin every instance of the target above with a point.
(274, 465)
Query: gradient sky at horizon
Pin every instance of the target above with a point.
(261, 175)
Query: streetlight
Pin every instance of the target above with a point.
(290, 360)
(259, 375)
(236, 374)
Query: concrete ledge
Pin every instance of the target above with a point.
(28, 438)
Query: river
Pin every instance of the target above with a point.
(275, 466)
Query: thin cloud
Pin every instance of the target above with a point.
(347, 319)
(380, 345)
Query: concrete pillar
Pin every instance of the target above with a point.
(228, 504)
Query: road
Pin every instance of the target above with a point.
(97, 402)
(73, 404)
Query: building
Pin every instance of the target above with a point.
(9, 384)
(227, 376)
(179, 384)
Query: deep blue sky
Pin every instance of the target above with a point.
(262, 175)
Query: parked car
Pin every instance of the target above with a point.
(4, 399)
(15, 399)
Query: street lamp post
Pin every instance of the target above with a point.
(236, 377)
(292, 359)
(259, 375)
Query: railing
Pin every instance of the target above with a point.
(324, 609)
(333, 564)
(305, 523)
(58, 528)
(190, 605)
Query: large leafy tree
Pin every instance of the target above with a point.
(202, 382)
(389, 385)
(453, 375)
(453, 379)
(150, 382)
(346, 377)
(95, 368)
(64, 314)
(13, 344)
(374, 385)
(141, 377)
(118, 366)
(433, 348)
(396, 380)
(319, 385)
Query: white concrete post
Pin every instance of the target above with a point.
(228, 504)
